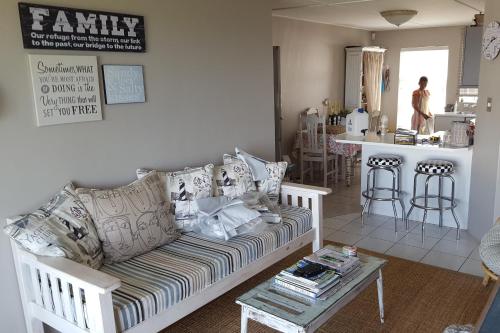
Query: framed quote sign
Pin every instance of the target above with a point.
(123, 84)
(65, 89)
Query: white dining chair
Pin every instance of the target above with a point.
(312, 128)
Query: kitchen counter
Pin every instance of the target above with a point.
(388, 139)
(461, 157)
(456, 114)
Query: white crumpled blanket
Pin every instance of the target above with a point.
(223, 218)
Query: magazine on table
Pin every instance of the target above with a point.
(333, 259)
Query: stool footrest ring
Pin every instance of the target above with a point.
(370, 194)
(414, 202)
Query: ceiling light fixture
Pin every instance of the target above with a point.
(398, 17)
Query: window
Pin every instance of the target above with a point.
(414, 63)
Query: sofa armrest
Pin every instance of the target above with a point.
(57, 287)
(299, 195)
(83, 275)
(306, 188)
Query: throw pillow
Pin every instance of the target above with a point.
(182, 189)
(132, 219)
(233, 179)
(272, 185)
(60, 228)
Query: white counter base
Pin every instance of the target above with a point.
(462, 158)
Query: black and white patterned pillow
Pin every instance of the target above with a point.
(182, 189)
(131, 219)
(233, 179)
(61, 228)
(271, 185)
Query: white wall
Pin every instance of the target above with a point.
(312, 66)
(395, 40)
(208, 78)
(485, 184)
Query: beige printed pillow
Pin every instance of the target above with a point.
(270, 186)
(132, 219)
(182, 189)
(60, 228)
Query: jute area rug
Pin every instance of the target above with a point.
(417, 298)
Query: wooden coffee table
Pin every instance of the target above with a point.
(289, 313)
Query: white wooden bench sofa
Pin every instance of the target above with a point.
(92, 309)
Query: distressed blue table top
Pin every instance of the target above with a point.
(302, 311)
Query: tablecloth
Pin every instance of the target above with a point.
(347, 150)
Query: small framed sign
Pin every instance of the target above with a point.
(65, 88)
(123, 84)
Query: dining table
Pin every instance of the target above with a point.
(346, 150)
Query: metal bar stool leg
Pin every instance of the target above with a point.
(374, 185)
(453, 204)
(367, 198)
(440, 201)
(394, 200)
(426, 204)
(412, 201)
(400, 199)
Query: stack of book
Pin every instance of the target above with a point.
(319, 275)
(340, 263)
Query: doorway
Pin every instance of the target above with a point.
(431, 62)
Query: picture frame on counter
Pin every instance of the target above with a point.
(123, 84)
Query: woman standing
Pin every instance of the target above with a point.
(422, 120)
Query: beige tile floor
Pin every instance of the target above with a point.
(342, 224)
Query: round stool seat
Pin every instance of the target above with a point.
(384, 161)
(435, 167)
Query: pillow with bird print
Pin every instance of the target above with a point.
(182, 189)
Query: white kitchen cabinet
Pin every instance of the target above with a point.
(353, 86)
(353, 89)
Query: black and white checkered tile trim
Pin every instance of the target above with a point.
(435, 167)
(384, 161)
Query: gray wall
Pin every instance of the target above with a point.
(485, 183)
(208, 77)
(312, 66)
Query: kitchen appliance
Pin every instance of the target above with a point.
(357, 122)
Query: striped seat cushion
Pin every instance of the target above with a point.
(163, 277)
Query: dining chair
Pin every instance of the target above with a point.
(314, 146)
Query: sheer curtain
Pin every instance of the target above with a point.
(372, 64)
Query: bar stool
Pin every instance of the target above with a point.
(443, 170)
(391, 164)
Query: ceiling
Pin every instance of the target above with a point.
(364, 14)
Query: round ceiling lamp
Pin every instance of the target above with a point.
(398, 17)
